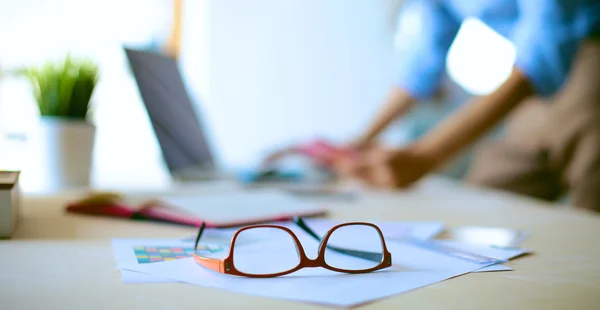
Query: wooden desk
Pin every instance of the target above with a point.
(59, 261)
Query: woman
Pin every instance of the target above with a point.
(548, 149)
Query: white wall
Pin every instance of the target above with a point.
(278, 71)
(266, 72)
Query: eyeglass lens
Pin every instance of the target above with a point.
(265, 250)
(354, 247)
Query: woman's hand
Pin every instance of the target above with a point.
(384, 167)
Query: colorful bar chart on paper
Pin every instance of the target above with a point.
(152, 254)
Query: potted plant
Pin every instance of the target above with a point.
(63, 92)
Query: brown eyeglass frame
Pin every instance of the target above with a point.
(226, 265)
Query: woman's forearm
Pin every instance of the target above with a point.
(396, 105)
(474, 119)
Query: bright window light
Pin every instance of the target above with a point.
(479, 59)
(32, 32)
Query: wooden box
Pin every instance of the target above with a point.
(9, 203)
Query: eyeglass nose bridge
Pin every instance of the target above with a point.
(312, 262)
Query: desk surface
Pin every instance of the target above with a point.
(61, 261)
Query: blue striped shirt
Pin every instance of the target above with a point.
(545, 33)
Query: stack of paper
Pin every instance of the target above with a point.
(417, 261)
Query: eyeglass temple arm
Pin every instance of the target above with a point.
(214, 264)
(200, 231)
(372, 256)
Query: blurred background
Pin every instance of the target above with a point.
(263, 73)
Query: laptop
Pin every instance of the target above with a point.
(176, 123)
(182, 137)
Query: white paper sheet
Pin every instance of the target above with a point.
(485, 235)
(494, 252)
(225, 207)
(129, 276)
(414, 267)
(125, 255)
(422, 230)
(498, 253)
(497, 267)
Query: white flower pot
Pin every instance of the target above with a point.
(67, 148)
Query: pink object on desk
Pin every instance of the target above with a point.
(114, 207)
(323, 152)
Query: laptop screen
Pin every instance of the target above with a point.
(174, 120)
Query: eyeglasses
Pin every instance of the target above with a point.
(361, 244)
